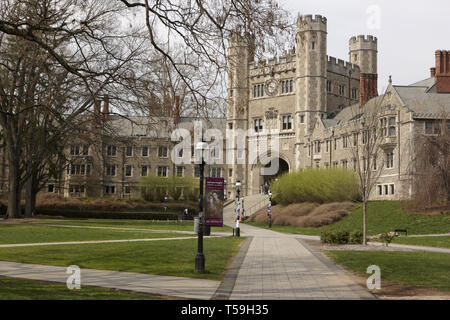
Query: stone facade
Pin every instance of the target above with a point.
(315, 101)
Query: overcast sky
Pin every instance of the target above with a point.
(408, 32)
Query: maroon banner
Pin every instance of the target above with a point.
(214, 198)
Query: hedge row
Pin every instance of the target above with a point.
(171, 208)
(110, 214)
(341, 237)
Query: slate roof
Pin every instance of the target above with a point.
(423, 103)
(157, 127)
(420, 98)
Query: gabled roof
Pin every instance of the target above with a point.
(423, 102)
(430, 82)
(420, 98)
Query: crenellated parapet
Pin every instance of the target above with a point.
(363, 42)
(310, 23)
(279, 64)
(342, 67)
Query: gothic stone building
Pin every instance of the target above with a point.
(313, 99)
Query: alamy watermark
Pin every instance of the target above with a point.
(238, 146)
(74, 278)
(373, 21)
(374, 281)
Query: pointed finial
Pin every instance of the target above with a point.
(390, 79)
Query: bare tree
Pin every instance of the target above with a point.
(430, 166)
(99, 54)
(365, 135)
(57, 57)
(200, 30)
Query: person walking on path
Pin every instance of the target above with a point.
(269, 214)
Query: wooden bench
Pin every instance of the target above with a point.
(402, 230)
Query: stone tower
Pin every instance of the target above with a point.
(311, 76)
(240, 53)
(364, 52)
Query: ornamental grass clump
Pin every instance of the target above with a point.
(316, 186)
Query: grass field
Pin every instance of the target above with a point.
(171, 257)
(123, 223)
(383, 216)
(439, 242)
(27, 233)
(21, 289)
(417, 269)
(47, 230)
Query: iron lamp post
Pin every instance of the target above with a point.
(200, 257)
(238, 214)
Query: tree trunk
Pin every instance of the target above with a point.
(365, 222)
(14, 193)
(30, 198)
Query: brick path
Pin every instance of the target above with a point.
(280, 266)
(162, 285)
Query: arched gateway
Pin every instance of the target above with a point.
(261, 174)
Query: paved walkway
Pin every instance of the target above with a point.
(271, 265)
(162, 285)
(281, 266)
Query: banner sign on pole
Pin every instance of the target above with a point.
(214, 198)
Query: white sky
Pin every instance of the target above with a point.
(408, 32)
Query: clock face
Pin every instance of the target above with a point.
(271, 87)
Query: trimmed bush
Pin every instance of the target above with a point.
(356, 237)
(316, 186)
(325, 236)
(387, 237)
(108, 214)
(334, 237)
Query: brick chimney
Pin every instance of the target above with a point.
(97, 116)
(176, 110)
(433, 72)
(105, 110)
(443, 71)
(368, 87)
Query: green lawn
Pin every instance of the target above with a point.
(171, 257)
(417, 269)
(29, 233)
(382, 216)
(21, 289)
(439, 242)
(123, 223)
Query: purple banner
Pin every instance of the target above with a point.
(214, 195)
